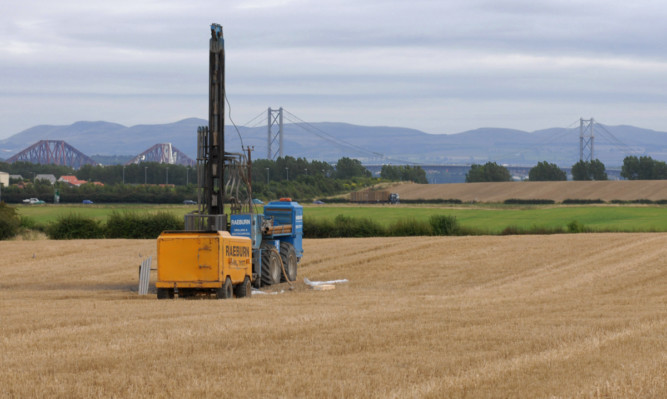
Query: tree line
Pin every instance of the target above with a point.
(160, 183)
(143, 173)
(634, 168)
(403, 173)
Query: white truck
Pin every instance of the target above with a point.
(33, 201)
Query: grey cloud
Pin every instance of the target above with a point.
(462, 60)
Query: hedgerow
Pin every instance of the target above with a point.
(135, 225)
(75, 226)
(571, 201)
(516, 201)
(345, 226)
(444, 225)
(9, 221)
(119, 225)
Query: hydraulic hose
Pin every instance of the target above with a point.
(282, 266)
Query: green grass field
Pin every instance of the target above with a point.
(494, 219)
(491, 219)
(45, 214)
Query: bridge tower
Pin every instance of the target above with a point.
(275, 120)
(586, 139)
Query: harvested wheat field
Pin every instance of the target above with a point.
(448, 317)
(624, 190)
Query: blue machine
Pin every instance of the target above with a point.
(287, 213)
(276, 238)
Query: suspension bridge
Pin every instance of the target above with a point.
(273, 119)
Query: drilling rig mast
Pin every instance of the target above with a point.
(212, 256)
(222, 177)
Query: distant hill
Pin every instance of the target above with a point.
(331, 141)
(104, 138)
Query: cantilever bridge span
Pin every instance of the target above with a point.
(56, 152)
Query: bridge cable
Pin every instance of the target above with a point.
(542, 142)
(343, 143)
(263, 113)
(626, 149)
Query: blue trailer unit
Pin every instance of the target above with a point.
(276, 240)
(286, 213)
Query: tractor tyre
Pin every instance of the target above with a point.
(288, 256)
(226, 291)
(244, 289)
(271, 270)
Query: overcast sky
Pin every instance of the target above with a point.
(441, 66)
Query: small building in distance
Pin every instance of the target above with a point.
(50, 178)
(4, 179)
(72, 180)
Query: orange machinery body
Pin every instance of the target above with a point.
(192, 259)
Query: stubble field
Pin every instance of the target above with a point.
(606, 190)
(516, 316)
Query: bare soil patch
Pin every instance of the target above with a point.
(516, 316)
(624, 190)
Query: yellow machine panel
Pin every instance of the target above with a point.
(202, 259)
(237, 257)
(188, 257)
